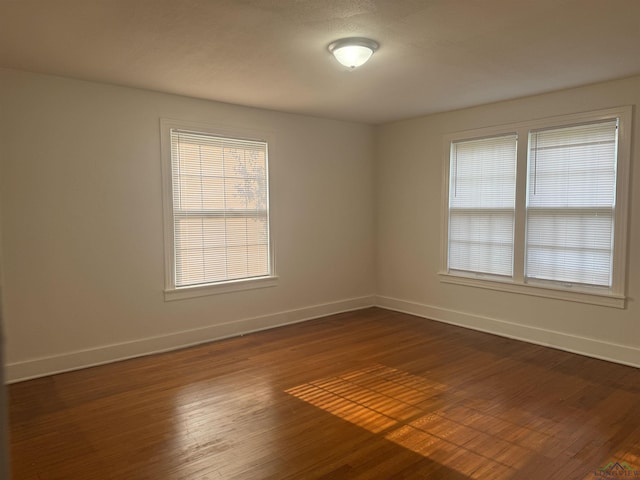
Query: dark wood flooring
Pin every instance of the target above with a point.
(369, 395)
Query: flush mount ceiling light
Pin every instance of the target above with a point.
(353, 52)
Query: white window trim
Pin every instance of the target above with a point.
(609, 297)
(171, 292)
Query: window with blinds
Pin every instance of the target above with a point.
(482, 197)
(571, 203)
(542, 218)
(220, 208)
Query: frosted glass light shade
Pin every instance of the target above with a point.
(352, 56)
(353, 52)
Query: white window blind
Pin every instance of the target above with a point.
(220, 208)
(482, 205)
(571, 203)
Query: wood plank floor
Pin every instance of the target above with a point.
(369, 395)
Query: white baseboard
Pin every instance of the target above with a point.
(43, 366)
(549, 338)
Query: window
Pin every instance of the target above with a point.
(540, 207)
(217, 209)
(482, 205)
(571, 203)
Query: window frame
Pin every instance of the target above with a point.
(171, 291)
(610, 297)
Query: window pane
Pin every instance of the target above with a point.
(481, 242)
(482, 205)
(570, 247)
(220, 208)
(571, 203)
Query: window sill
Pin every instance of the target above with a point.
(219, 288)
(591, 296)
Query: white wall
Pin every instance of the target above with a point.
(82, 226)
(409, 168)
(82, 223)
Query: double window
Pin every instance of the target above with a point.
(217, 211)
(541, 207)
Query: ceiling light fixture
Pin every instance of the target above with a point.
(353, 52)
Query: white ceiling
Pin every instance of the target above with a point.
(435, 55)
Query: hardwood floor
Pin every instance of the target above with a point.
(370, 395)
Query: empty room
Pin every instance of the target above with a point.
(297, 239)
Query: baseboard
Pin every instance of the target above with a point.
(549, 338)
(39, 367)
(43, 366)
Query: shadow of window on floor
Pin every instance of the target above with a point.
(440, 423)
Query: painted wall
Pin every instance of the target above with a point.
(409, 169)
(82, 227)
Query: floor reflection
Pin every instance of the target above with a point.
(209, 430)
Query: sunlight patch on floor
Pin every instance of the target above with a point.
(411, 411)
